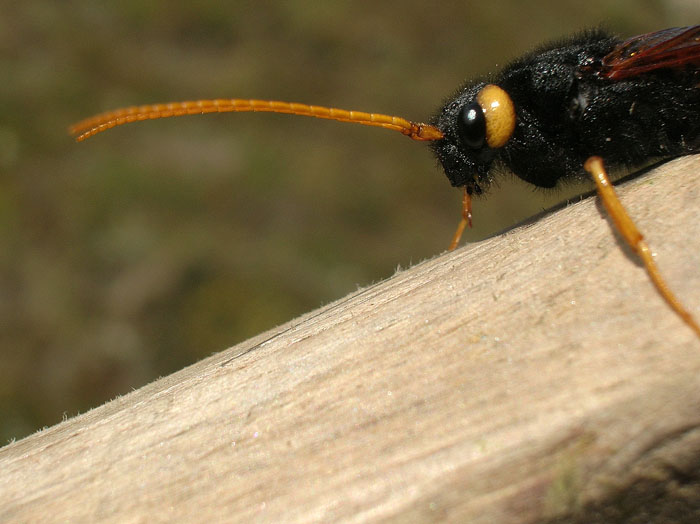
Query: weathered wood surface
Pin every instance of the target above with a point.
(513, 380)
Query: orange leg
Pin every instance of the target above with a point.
(466, 219)
(634, 238)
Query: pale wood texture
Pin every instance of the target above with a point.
(513, 380)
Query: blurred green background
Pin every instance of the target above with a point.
(145, 249)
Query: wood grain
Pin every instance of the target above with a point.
(519, 379)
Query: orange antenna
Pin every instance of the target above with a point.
(96, 124)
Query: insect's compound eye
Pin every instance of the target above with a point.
(471, 125)
(499, 114)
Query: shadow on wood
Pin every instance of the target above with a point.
(520, 379)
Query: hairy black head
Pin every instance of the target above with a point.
(463, 152)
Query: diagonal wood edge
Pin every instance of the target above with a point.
(513, 380)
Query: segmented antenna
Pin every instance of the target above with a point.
(96, 124)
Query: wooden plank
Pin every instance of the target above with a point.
(514, 380)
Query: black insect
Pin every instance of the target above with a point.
(551, 115)
(591, 94)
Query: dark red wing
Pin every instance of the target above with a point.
(674, 48)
